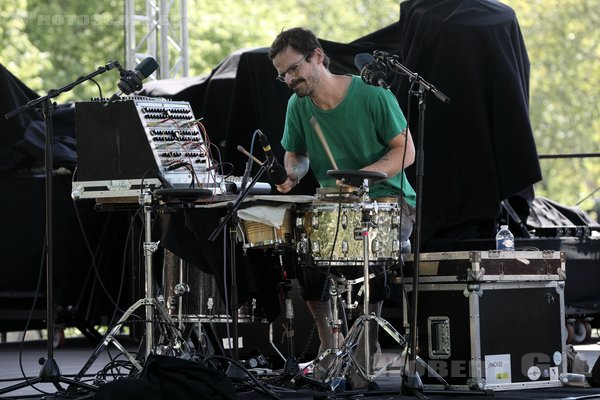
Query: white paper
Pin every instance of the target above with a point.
(497, 369)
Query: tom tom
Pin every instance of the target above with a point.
(192, 295)
(261, 235)
(331, 233)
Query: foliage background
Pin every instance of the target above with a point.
(48, 44)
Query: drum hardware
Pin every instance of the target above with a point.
(180, 290)
(345, 359)
(156, 313)
(291, 367)
(345, 286)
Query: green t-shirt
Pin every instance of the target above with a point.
(357, 132)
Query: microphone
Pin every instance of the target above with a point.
(277, 173)
(373, 72)
(131, 81)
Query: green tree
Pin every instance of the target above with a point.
(18, 54)
(563, 42)
(76, 37)
(48, 44)
(64, 40)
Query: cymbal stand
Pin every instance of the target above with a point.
(361, 326)
(156, 313)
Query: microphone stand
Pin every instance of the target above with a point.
(50, 372)
(231, 219)
(411, 381)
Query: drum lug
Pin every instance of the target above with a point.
(375, 247)
(316, 248)
(300, 223)
(315, 221)
(344, 220)
(345, 247)
(395, 222)
(395, 248)
(303, 244)
(181, 288)
(210, 303)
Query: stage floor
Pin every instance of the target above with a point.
(74, 354)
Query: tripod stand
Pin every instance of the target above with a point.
(50, 372)
(155, 312)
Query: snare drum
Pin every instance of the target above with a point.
(318, 224)
(261, 235)
(193, 295)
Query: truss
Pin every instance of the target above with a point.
(162, 33)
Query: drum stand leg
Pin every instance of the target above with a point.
(175, 345)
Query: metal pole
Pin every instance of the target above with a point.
(367, 297)
(149, 248)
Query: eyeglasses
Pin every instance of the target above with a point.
(292, 70)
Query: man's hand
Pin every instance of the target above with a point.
(293, 179)
(286, 186)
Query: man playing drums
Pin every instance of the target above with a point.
(364, 129)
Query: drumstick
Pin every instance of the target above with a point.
(317, 128)
(243, 151)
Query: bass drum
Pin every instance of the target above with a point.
(192, 295)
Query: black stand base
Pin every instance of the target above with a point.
(412, 385)
(291, 366)
(50, 373)
(235, 372)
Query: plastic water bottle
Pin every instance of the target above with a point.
(505, 239)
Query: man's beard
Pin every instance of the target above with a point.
(300, 91)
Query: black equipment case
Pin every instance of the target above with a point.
(495, 321)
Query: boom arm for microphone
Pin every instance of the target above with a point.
(387, 62)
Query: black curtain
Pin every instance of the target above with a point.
(479, 149)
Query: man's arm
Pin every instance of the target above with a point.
(296, 166)
(392, 162)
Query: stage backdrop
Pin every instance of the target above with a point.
(479, 148)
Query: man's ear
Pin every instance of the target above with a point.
(318, 55)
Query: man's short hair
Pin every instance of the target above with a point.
(300, 39)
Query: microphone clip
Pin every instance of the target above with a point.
(380, 55)
(129, 82)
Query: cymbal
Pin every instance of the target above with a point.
(355, 177)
